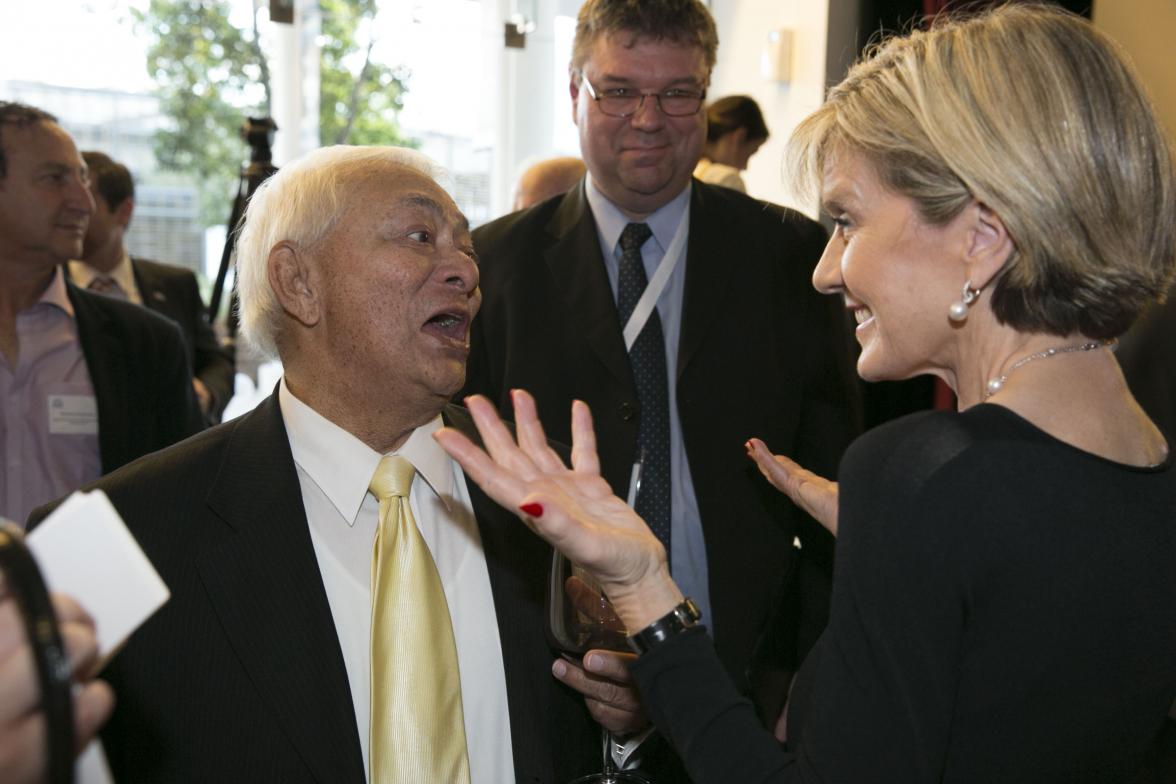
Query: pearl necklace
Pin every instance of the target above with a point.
(996, 384)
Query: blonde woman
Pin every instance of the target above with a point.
(1004, 606)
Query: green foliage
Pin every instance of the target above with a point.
(359, 97)
(211, 75)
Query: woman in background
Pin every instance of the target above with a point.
(1004, 600)
(735, 130)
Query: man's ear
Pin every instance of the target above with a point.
(988, 244)
(294, 284)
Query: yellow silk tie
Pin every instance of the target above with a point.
(417, 733)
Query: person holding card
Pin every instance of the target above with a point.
(22, 726)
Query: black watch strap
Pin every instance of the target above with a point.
(684, 616)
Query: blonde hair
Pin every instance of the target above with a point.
(300, 204)
(1031, 111)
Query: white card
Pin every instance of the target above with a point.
(72, 415)
(85, 550)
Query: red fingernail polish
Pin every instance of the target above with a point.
(532, 509)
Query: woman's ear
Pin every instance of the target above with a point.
(988, 244)
(294, 284)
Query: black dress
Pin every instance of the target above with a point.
(1004, 610)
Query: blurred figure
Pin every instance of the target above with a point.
(88, 383)
(171, 291)
(735, 130)
(22, 725)
(547, 179)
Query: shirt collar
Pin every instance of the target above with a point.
(55, 293)
(123, 273)
(342, 466)
(610, 221)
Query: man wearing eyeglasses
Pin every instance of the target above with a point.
(683, 315)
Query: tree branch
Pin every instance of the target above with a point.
(353, 100)
(262, 62)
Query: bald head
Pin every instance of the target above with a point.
(546, 179)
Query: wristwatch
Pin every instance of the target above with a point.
(684, 616)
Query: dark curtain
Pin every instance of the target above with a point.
(897, 16)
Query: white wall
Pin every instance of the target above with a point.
(743, 33)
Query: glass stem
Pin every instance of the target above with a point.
(610, 766)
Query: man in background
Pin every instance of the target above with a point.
(86, 383)
(171, 291)
(684, 315)
(547, 179)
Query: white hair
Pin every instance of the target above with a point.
(300, 204)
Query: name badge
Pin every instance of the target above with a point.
(73, 415)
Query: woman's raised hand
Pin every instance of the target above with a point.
(815, 495)
(573, 509)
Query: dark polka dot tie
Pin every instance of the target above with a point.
(648, 361)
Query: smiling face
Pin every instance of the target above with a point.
(399, 288)
(45, 201)
(898, 273)
(643, 161)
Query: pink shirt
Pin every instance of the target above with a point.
(48, 413)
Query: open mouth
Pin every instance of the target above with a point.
(862, 315)
(451, 326)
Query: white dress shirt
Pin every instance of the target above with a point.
(334, 470)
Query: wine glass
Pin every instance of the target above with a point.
(581, 619)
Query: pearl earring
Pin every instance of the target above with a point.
(958, 312)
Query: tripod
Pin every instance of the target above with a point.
(258, 133)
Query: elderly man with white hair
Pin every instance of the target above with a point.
(345, 607)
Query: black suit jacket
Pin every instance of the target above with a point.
(760, 354)
(240, 677)
(173, 292)
(142, 384)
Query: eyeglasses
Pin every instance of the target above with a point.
(625, 101)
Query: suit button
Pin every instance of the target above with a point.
(627, 411)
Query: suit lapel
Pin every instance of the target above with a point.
(150, 287)
(264, 584)
(575, 263)
(709, 266)
(106, 362)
